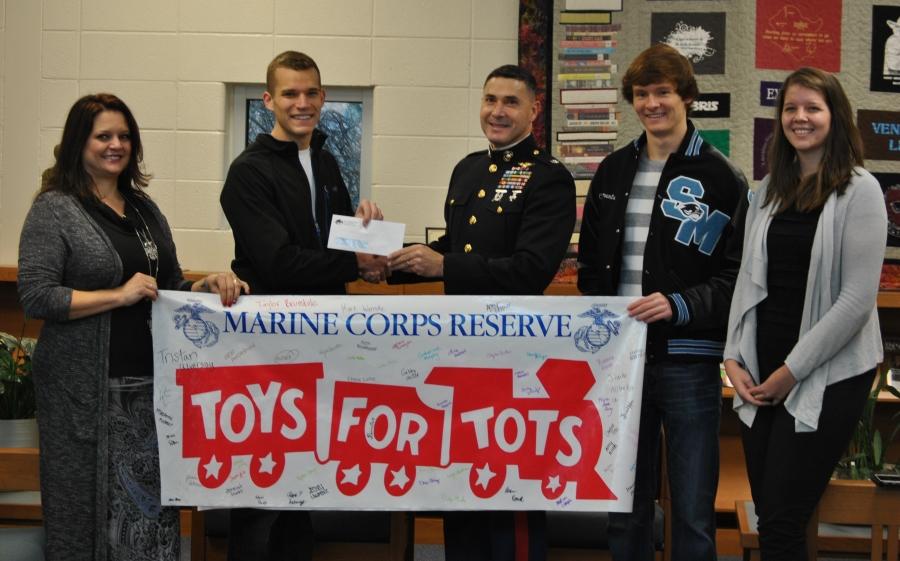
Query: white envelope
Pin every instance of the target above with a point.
(378, 238)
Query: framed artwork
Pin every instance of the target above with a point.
(433, 234)
(885, 71)
(342, 121)
(699, 36)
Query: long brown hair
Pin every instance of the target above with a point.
(67, 174)
(843, 149)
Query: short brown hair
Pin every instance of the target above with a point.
(661, 63)
(293, 60)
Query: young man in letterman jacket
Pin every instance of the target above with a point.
(663, 222)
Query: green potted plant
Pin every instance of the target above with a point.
(866, 453)
(16, 382)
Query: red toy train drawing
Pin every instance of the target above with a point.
(269, 411)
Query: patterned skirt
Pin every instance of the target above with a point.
(140, 529)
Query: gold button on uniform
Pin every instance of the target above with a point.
(536, 152)
(499, 210)
(472, 219)
(492, 168)
(481, 194)
(452, 201)
(467, 248)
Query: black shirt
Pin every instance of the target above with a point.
(130, 340)
(788, 245)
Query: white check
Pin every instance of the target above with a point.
(378, 238)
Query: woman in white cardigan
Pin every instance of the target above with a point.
(803, 335)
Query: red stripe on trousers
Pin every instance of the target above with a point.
(521, 531)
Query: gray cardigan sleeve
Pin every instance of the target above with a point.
(42, 262)
(863, 236)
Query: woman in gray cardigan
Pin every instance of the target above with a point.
(94, 251)
(803, 335)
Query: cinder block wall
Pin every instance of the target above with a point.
(171, 61)
(425, 60)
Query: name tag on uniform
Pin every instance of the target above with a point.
(378, 238)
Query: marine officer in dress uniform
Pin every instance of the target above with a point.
(510, 213)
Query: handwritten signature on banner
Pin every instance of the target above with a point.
(438, 427)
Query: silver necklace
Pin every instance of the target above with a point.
(151, 251)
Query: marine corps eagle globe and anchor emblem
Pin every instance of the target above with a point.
(200, 332)
(591, 338)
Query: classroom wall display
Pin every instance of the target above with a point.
(763, 129)
(880, 132)
(700, 36)
(810, 30)
(768, 93)
(885, 71)
(890, 185)
(711, 105)
(720, 138)
(535, 35)
(795, 33)
(890, 272)
(585, 74)
(413, 403)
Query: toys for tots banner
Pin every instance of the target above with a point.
(431, 402)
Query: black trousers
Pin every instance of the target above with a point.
(788, 470)
(270, 535)
(495, 536)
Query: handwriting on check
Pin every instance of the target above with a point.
(355, 244)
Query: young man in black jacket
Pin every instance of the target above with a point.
(663, 222)
(281, 192)
(279, 197)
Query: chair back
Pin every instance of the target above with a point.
(860, 503)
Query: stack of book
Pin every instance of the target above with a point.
(587, 91)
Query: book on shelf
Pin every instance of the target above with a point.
(585, 36)
(585, 17)
(581, 66)
(595, 95)
(599, 114)
(563, 136)
(601, 124)
(584, 76)
(587, 44)
(586, 142)
(596, 5)
(586, 149)
(592, 28)
(589, 56)
(587, 51)
(585, 84)
(590, 106)
(599, 155)
(583, 159)
(890, 276)
(582, 171)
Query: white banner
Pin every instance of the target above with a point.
(417, 402)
